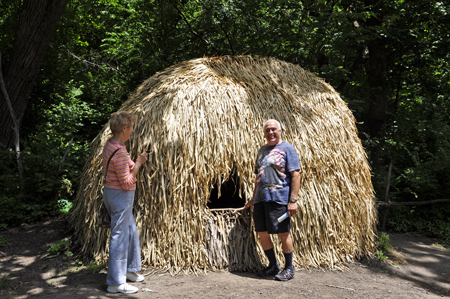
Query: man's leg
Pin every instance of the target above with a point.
(286, 242)
(266, 241)
(259, 216)
(288, 248)
(267, 245)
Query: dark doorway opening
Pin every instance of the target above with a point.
(229, 197)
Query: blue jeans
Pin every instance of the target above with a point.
(124, 248)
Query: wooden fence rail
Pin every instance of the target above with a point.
(387, 203)
(410, 203)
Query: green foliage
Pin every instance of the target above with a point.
(438, 245)
(4, 241)
(59, 247)
(45, 193)
(4, 283)
(432, 221)
(381, 256)
(64, 205)
(52, 133)
(8, 25)
(102, 50)
(94, 267)
(384, 243)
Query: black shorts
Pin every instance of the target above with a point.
(266, 214)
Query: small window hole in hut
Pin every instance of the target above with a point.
(229, 195)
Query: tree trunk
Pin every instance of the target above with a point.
(16, 129)
(37, 23)
(378, 95)
(376, 69)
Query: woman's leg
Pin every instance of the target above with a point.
(134, 248)
(119, 204)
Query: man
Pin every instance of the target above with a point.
(276, 190)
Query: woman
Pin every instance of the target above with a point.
(118, 195)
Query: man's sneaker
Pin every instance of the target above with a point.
(131, 276)
(124, 288)
(285, 275)
(269, 271)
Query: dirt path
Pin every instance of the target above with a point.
(422, 270)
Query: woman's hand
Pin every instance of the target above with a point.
(141, 159)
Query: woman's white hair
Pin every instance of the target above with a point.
(278, 123)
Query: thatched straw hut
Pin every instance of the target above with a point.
(203, 121)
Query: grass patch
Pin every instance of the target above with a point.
(381, 256)
(60, 247)
(384, 243)
(384, 246)
(94, 267)
(4, 283)
(4, 241)
(438, 245)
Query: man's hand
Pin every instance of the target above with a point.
(249, 204)
(292, 208)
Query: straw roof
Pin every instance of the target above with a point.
(203, 120)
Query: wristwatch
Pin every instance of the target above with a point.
(292, 199)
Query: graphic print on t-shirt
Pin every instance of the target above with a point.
(272, 168)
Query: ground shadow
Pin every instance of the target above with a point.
(27, 269)
(418, 260)
(27, 272)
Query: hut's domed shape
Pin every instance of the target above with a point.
(203, 121)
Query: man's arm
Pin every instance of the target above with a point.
(295, 187)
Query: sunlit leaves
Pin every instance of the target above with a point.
(106, 48)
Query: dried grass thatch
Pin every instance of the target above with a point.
(203, 121)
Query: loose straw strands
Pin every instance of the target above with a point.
(203, 121)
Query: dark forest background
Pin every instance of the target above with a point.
(67, 65)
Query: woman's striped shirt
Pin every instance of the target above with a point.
(119, 176)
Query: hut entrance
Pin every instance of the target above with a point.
(229, 195)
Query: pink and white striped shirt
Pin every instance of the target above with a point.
(119, 170)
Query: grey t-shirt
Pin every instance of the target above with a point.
(273, 169)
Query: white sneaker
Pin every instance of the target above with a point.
(122, 288)
(131, 276)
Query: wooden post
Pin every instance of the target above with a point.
(386, 199)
